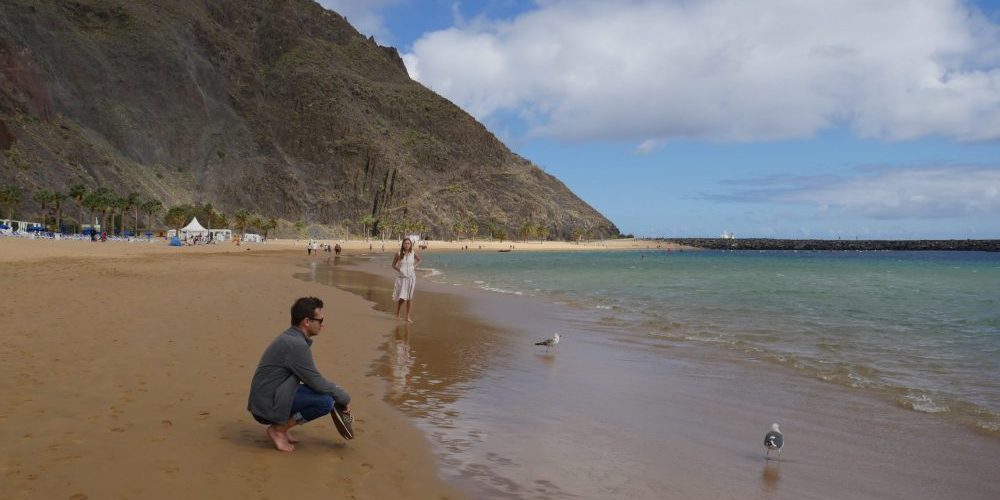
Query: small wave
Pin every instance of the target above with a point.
(992, 426)
(923, 403)
(604, 307)
(501, 290)
(431, 272)
(858, 380)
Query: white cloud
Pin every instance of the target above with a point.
(725, 70)
(364, 15)
(884, 193)
(649, 146)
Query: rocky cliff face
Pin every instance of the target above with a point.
(275, 106)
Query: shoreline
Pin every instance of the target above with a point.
(837, 245)
(708, 403)
(127, 368)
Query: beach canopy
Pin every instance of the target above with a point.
(194, 227)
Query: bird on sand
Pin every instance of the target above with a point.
(773, 441)
(549, 342)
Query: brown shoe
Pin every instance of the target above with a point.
(343, 423)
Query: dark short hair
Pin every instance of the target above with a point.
(304, 308)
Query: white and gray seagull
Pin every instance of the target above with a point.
(549, 342)
(773, 441)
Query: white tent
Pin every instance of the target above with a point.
(194, 228)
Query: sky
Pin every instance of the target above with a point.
(870, 119)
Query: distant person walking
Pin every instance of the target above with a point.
(287, 389)
(405, 263)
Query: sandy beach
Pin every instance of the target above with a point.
(125, 368)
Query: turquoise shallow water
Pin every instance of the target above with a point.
(921, 328)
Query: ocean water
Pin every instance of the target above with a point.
(921, 329)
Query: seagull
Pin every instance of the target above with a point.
(773, 441)
(549, 342)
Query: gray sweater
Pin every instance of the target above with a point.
(285, 363)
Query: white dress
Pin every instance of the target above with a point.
(406, 279)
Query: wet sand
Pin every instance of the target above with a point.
(601, 416)
(125, 368)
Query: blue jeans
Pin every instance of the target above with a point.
(310, 405)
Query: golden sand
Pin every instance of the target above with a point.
(125, 368)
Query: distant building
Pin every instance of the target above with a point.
(726, 235)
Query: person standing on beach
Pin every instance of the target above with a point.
(405, 263)
(287, 389)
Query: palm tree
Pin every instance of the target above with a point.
(94, 202)
(100, 201)
(58, 198)
(10, 197)
(541, 232)
(151, 208)
(43, 197)
(527, 230)
(209, 211)
(78, 192)
(134, 202)
(458, 228)
(269, 225)
(118, 206)
(368, 221)
(473, 228)
(256, 222)
(242, 216)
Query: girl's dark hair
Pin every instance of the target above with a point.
(401, 254)
(304, 308)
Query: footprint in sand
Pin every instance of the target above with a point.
(78, 496)
(118, 429)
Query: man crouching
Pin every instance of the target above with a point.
(287, 389)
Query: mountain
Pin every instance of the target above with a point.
(279, 107)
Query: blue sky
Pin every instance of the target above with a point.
(766, 118)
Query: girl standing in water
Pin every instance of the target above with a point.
(405, 263)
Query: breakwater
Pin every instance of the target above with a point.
(783, 244)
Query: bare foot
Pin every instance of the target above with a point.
(408, 320)
(279, 438)
(291, 439)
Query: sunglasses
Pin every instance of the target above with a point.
(318, 320)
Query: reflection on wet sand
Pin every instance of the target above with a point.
(769, 478)
(547, 358)
(423, 379)
(433, 363)
(401, 361)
